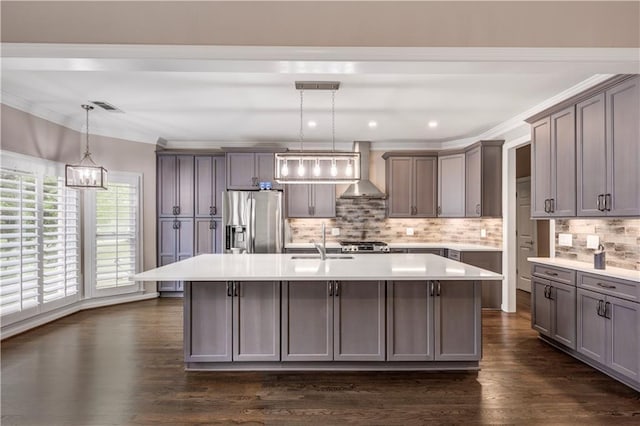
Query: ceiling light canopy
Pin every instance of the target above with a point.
(433, 124)
(86, 174)
(317, 166)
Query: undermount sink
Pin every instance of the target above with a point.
(317, 257)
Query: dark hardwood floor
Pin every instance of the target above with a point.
(123, 365)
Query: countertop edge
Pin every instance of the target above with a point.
(612, 272)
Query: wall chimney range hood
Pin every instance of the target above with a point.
(363, 188)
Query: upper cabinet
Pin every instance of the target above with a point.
(609, 152)
(245, 170)
(175, 185)
(411, 184)
(451, 185)
(311, 200)
(209, 185)
(588, 145)
(483, 179)
(553, 157)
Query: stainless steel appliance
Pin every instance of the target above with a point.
(364, 247)
(253, 221)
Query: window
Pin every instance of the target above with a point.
(114, 234)
(39, 238)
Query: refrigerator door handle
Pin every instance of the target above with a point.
(252, 225)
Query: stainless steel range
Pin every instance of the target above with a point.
(364, 247)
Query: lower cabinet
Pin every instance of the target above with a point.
(409, 321)
(336, 320)
(608, 329)
(232, 321)
(175, 242)
(553, 310)
(208, 236)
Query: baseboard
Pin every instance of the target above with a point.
(41, 319)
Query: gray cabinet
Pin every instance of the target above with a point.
(483, 179)
(209, 185)
(245, 170)
(341, 321)
(553, 310)
(175, 185)
(232, 321)
(609, 152)
(490, 260)
(451, 184)
(175, 242)
(553, 158)
(457, 321)
(410, 330)
(411, 184)
(208, 236)
(311, 200)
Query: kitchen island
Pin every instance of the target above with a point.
(348, 312)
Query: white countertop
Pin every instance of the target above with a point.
(281, 267)
(624, 274)
(450, 246)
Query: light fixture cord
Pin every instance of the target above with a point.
(87, 154)
(301, 119)
(333, 120)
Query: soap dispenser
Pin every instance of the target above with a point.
(599, 258)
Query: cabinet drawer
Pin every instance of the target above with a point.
(619, 288)
(556, 274)
(453, 254)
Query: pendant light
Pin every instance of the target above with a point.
(86, 174)
(317, 166)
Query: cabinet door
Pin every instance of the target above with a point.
(323, 200)
(208, 236)
(540, 306)
(265, 169)
(256, 325)
(623, 345)
(409, 321)
(307, 321)
(458, 324)
(358, 321)
(219, 184)
(204, 186)
(166, 182)
(400, 186)
(298, 200)
(591, 158)
(451, 181)
(185, 183)
(473, 182)
(166, 249)
(541, 166)
(240, 170)
(207, 320)
(563, 314)
(563, 164)
(591, 327)
(425, 184)
(623, 148)
(184, 239)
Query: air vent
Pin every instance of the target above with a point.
(106, 106)
(317, 85)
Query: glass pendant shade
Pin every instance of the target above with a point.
(317, 167)
(86, 174)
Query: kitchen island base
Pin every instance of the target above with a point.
(335, 366)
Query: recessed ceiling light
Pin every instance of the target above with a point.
(433, 124)
(312, 124)
(373, 124)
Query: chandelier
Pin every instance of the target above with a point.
(317, 166)
(86, 174)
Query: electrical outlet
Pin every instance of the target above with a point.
(409, 231)
(565, 240)
(483, 233)
(335, 231)
(593, 241)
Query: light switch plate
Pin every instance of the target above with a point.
(335, 231)
(593, 241)
(565, 240)
(409, 231)
(483, 233)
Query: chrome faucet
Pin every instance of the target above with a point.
(322, 249)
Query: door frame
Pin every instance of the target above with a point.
(535, 227)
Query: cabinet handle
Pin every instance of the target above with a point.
(552, 205)
(607, 310)
(477, 208)
(605, 285)
(212, 224)
(550, 292)
(431, 288)
(599, 202)
(553, 274)
(546, 291)
(176, 224)
(330, 288)
(438, 288)
(599, 308)
(235, 289)
(547, 204)
(337, 284)
(607, 202)
(254, 181)
(439, 210)
(229, 284)
(177, 210)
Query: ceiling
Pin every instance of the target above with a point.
(226, 101)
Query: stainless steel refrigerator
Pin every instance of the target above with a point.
(253, 221)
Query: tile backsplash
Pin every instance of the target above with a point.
(360, 219)
(620, 237)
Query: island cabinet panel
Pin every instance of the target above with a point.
(208, 318)
(458, 332)
(209, 185)
(256, 321)
(409, 321)
(359, 321)
(208, 236)
(307, 321)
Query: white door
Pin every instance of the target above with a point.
(525, 233)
